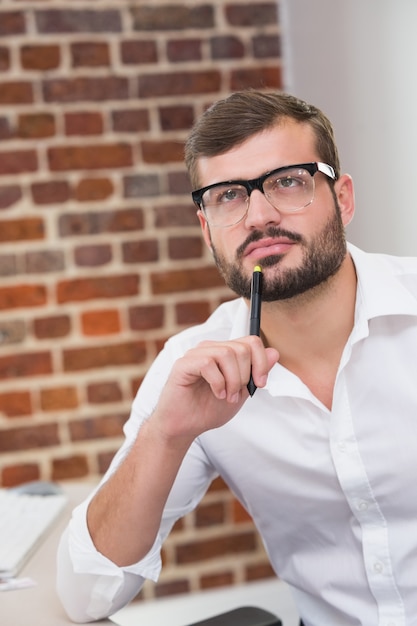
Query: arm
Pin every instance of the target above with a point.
(205, 389)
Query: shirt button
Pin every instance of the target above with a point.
(363, 505)
(378, 567)
(342, 446)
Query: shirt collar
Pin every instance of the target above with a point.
(382, 281)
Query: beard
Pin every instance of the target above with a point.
(322, 257)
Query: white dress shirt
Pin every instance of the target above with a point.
(332, 492)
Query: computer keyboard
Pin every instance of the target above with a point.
(24, 523)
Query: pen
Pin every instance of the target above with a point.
(255, 313)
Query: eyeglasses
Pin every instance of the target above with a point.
(288, 189)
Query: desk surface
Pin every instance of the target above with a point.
(40, 604)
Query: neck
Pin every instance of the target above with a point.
(311, 330)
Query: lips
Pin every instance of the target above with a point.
(267, 247)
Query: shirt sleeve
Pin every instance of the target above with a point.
(91, 586)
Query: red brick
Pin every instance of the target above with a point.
(18, 161)
(25, 229)
(90, 54)
(105, 156)
(21, 296)
(52, 327)
(162, 151)
(180, 280)
(138, 52)
(175, 215)
(83, 123)
(101, 393)
(266, 46)
(172, 17)
(142, 251)
(192, 312)
(179, 184)
(58, 399)
(39, 262)
(239, 513)
(227, 47)
(40, 57)
(36, 125)
(6, 129)
(13, 475)
(54, 21)
(185, 247)
(81, 89)
(8, 265)
(93, 256)
(75, 466)
(179, 50)
(176, 117)
(15, 403)
(251, 14)
(29, 437)
(30, 364)
(51, 192)
(103, 461)
(4, 59)
(130, 120)
(93, 189)
(146, 317)
(171, 588)
(12, 23)
(210, 514)
(79, 359)
(81, 289)
(179, 83)
(235, 543)
(77, 224)
(16, 92)
(103, 322)
(141, 186)
(259, 78)
(221, 579)
(97, 428)
(259, 571)
(9, 195)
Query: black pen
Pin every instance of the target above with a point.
(255, 313)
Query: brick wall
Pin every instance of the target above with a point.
(97, 229)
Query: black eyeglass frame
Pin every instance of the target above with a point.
(257, 183)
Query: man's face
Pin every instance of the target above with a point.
(297, 251)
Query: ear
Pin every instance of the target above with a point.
(205, 229)
(345, 195)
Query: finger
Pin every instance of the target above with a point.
(226, 369)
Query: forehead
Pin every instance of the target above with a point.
(288, 143)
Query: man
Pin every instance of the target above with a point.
(323, 455)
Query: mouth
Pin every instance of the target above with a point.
(270, 246)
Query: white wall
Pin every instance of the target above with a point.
(357, 61)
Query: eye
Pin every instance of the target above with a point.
(290, 182)
(225, 195)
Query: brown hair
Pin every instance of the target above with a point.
(229, 122)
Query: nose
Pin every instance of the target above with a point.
(260, 211)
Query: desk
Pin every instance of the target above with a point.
(39, 605)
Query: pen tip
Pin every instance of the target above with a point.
(257, 268)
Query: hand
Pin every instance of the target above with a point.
(207, 386)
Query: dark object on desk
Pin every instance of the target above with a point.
(243, 616)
